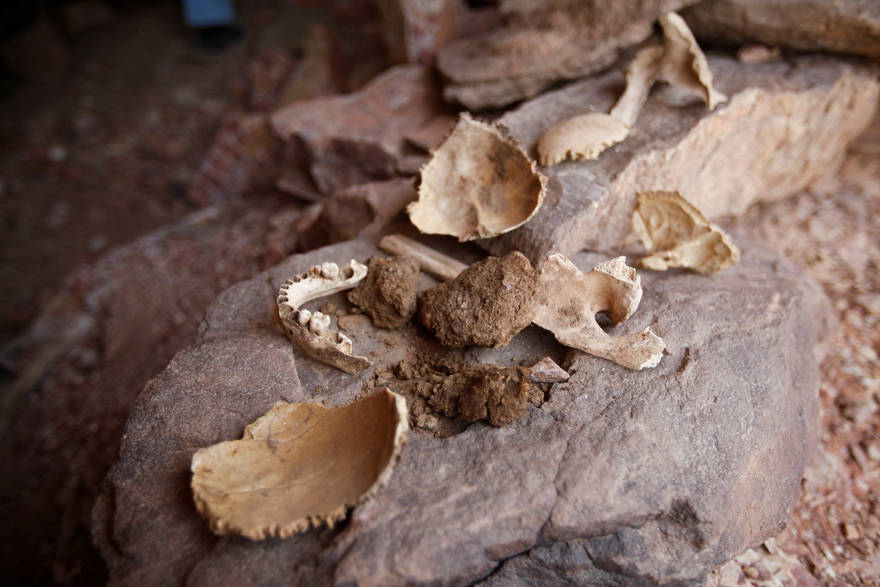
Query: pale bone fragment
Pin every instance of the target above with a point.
(430, 261)
(684, 64)
(581, 137)
(679, 62)
(299, 466)
(569, 301)
(677, 235)
(547, 371)
(310, 331)
(478, 184)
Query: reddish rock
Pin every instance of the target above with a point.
(653, 476)
(843, 26)
(786, 126)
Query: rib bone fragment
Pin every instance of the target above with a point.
(430, 260)
(310, 331)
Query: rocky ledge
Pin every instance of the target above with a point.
(623, 477)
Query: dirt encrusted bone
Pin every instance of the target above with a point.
(677, 235)
(486, 305)
(298, 466)
(478, 184)
(389, 294)
(310, 331)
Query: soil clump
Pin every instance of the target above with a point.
(389, 294)
(486, 305)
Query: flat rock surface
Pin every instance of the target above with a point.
(542, 43)
(657, 475)
(845, 26)
(786, 125)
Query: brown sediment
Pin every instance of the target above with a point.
(389, 294)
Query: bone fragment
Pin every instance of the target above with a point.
(311, 331)
(569, 301)
(478, 184)
(582, 137)
(430, 260)
(298, 466)
(547, 371)
(677, 235)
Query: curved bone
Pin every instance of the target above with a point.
(570, 300)
(310, 331)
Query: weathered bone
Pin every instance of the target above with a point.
(430, 261)
(569, 301)
(310, 331)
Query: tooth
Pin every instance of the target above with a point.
(303, 317)
(329, 270)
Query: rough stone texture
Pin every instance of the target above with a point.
(359, 137)
(487, 304)
(362, 209)
(110, 327)
(415, 29)
(786, 125)
(541, 43)
(389, 294)
(844, 26)
(657, 476)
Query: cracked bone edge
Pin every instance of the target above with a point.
(430, 261)
(585, 136)
(280, 478)
(310, 331)
(677, 235)
(569, 301)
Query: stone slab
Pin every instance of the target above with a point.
(652, 476)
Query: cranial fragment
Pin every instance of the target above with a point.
(298, 466)
(569, 300)
(680, 62)
(310, 331)
(478, 184)
(677, 235)
(581, 137)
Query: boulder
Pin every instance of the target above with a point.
(786, 125)
(655, 476)
(542, 43)
(843, 26)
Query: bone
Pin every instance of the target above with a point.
(430, 260)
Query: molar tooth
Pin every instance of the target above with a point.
(319, 323)
(329, 270)
(303, 317)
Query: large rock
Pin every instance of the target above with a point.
(111, 326)
(786, 125)
(844, 26)
(658, 475)
(541, 43)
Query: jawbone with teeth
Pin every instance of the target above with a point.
(310, 331)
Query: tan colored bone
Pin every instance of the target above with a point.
(478, 184)
(684, 64)
(680, 62)
(582, 137)
(677, 235)
(299, 466)
(430, 260)
(310, 331)
(570, 300)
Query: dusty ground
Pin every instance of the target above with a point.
(98, 147)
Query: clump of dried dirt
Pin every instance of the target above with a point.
(389, 294)
(486, 305)
(444, 394)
